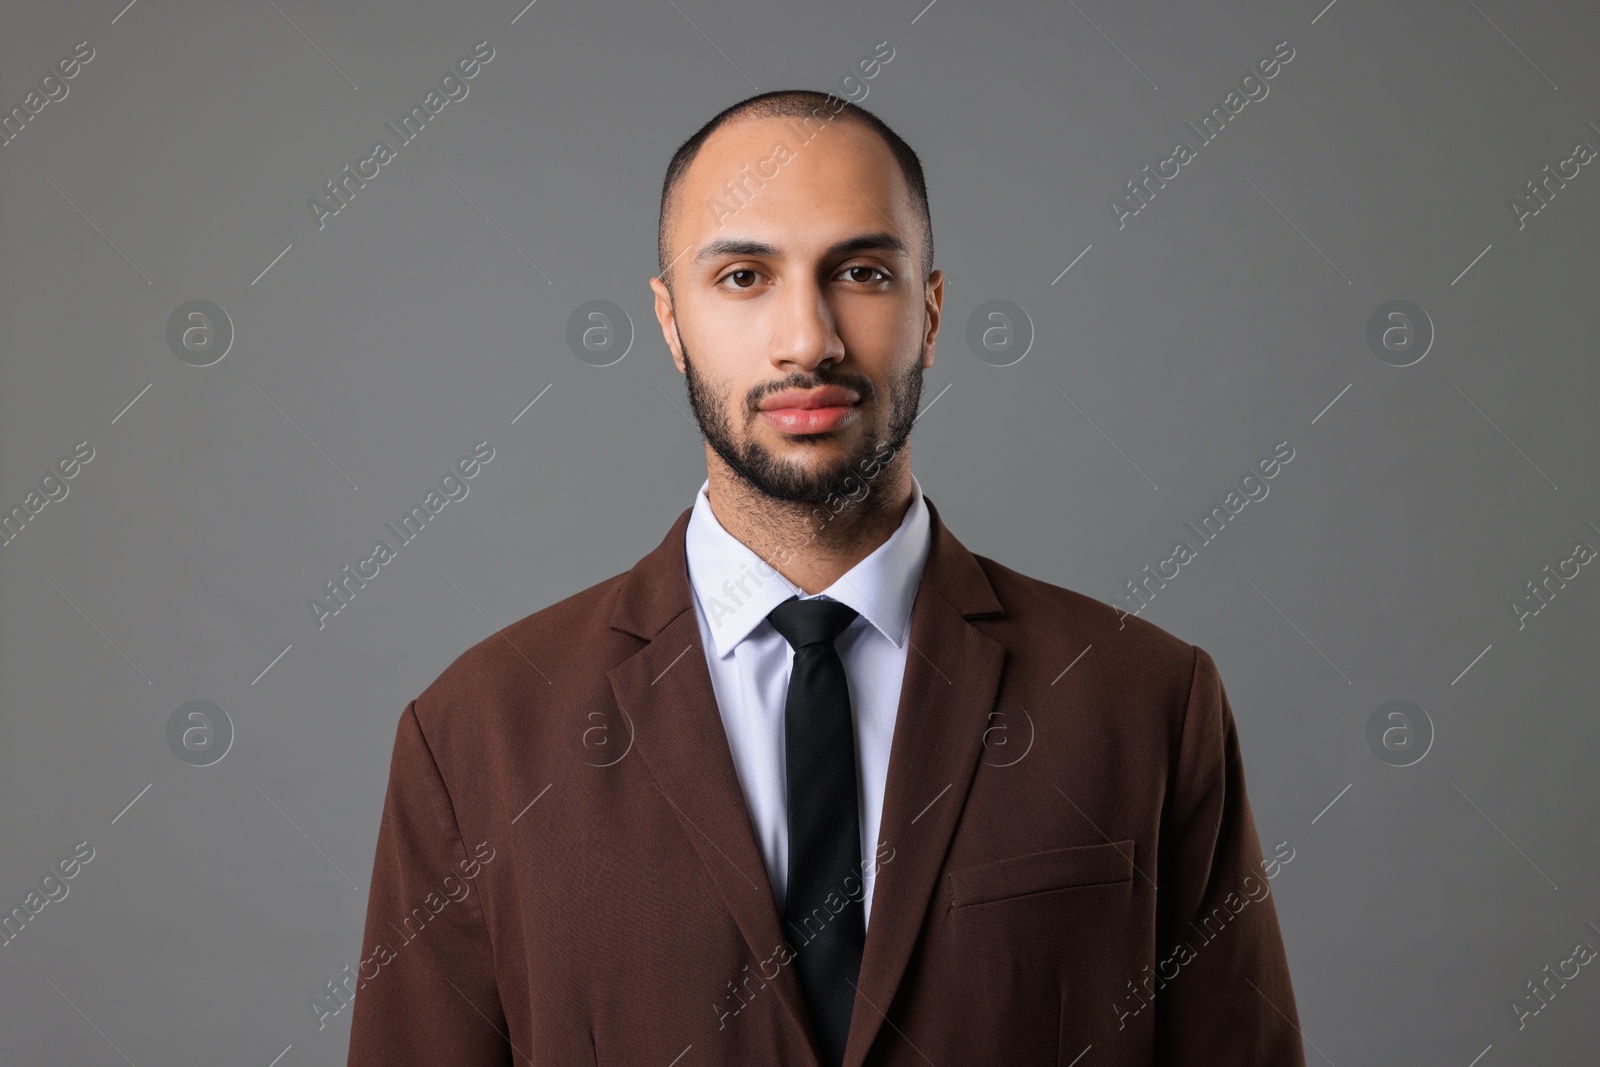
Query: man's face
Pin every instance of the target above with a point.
(802, 301)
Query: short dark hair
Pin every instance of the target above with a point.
(795, 103)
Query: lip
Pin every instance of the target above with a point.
(827, 396)
(809, 411)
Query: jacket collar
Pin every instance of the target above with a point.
(952, 677)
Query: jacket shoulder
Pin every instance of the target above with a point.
(522, 663)
(1023, 594)
(1055, 624)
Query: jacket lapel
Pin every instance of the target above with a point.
(952, 675)
(665, 689)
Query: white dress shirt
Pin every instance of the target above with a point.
(750, 663)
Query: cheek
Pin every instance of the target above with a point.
(731, 344)
(878, 334)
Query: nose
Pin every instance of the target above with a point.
(804, 333)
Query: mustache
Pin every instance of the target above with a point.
(860, 383)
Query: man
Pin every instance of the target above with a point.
(812, 783)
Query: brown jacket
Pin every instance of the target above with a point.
(566, 871)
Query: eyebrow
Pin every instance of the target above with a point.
(881, 241)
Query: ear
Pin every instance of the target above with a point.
(667, 316)
(934, 292)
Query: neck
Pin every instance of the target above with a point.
(811, 544)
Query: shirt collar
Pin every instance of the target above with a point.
(736, 588)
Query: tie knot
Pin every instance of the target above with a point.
(811, 622)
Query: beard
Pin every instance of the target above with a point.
(766, 473)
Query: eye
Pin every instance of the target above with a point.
(854, 272)
(748, 276)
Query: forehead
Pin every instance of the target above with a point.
(796, 193)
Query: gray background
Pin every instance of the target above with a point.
(1225, 317)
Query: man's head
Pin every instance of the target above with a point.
(796, 253)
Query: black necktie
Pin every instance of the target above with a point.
(823, 910)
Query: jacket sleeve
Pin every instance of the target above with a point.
(427, 992)
(1222, 978)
